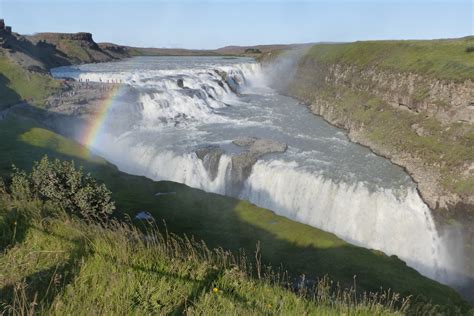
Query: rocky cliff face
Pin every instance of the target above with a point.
(447, 105)
(54, 37)
(116, 51)
(40, 52)
(75, 48)
(25, 62)
(447, 101)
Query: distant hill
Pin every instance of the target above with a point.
(251, 50)
(76, 48)
(149, 51)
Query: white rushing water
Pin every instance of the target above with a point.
(171, 106)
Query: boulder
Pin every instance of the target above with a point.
(244, 141)
(144, 216)
(265, 146)
(210, 156)
(242, 163)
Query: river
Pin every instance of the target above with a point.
(167, 108)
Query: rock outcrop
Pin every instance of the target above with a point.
(55, 37)
(447, 101)
(210, 156)
(241, 162)
(229, 81)
(75, 48)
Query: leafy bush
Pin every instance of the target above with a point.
(64, 185)
(470, 49)
(20, 186)
(253, 51)
(3, 188)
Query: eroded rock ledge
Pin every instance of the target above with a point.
(242, 162)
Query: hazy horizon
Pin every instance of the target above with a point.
(217, 23)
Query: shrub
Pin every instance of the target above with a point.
(253, 51)
(3, 188)
(469, 49)
(20, 185)
(65, 186)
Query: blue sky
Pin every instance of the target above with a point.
(216, 23)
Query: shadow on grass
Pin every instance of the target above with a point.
(199, 286)
(8, 96)
(36, 292)
(45, 52)
(13, 229)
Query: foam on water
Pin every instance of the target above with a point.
(382, 219)
(163, 101)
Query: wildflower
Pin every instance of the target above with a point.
(215, 290)
(269, 306)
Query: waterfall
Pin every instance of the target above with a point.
(183, 108)
(396, 223)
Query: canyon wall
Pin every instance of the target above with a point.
(420, 121)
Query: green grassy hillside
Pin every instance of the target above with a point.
(72, 48)
(17, 84)
(449, 59)
(229, 223)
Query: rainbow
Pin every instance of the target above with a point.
(89, 134)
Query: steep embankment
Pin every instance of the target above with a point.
(25, 62)
(17, 84)
(77, 48)
(411, 101)
(115, 270)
